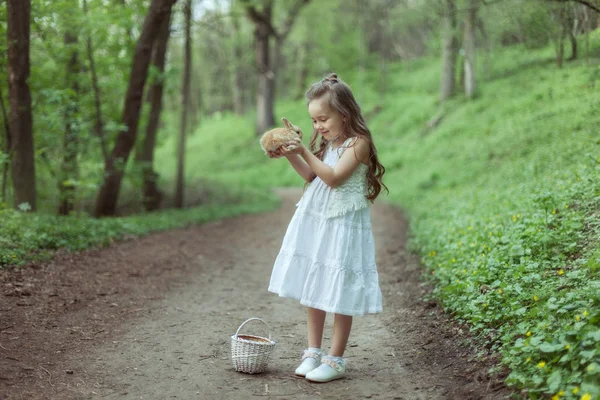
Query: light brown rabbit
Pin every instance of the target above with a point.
(275, 138)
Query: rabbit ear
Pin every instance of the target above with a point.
(287, 123)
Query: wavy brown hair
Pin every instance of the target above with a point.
(341, 99)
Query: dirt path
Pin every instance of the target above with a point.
(151, 319)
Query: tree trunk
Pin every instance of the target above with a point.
(106, 201)
(573, 46)
(185, 105)
(469, 47)
(265, 117)
(152, 194)
(302, 71)
(236, 82)
(267, 62)
(68, 171)
(449, 51)
(21, 121)
(7, 147)
(98, 124)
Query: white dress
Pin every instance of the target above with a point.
(327, 258)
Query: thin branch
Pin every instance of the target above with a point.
(582, 2)
(291, 18)
(260, 19)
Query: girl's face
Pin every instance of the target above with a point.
(327, 121)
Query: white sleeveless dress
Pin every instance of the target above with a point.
(327, 258)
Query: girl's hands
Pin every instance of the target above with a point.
(291, 148)
(275, 154)
(285, 150)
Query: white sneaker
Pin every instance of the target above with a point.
(310, 361)
(329, 370)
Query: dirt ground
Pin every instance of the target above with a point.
(151, 318)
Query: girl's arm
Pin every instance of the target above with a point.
(298, 163)
(337, 175)
(302, 168)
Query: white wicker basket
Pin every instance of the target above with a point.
(249, 353)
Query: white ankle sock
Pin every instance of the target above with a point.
(315, 349)
(339, 360)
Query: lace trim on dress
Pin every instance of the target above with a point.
(319, 216)
(333, 264)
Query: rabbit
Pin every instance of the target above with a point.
(275, 138)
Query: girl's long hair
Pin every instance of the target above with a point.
(342, 100)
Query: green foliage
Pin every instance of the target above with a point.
(27, 237)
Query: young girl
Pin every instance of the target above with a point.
(327, 258)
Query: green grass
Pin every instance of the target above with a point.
(503, 198)
(28, 237)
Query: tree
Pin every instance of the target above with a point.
(99, 120)
(235, 65)
(151, 192)
(106, 201)
(7, 146)
(68, 170)
(449, 50)
(470, 21)
(266, 62)
(185, 105)
(21, 121)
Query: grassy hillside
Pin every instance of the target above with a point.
(503, 198)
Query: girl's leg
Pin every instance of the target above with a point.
(341, 331)
(316, 321)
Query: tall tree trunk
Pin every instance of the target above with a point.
(573, 46)
(469, 47)
(264, 102)
(152, 194)
(302, 70)
(236, 65)
(185, 100)
(7, 147)
(106, 202)
(21, 121)
(266, 62)
(449, 50)
(68, 170)
(98, 124)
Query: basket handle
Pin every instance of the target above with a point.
(250, 319)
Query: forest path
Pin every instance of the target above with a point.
(151, 318)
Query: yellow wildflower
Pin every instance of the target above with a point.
(555, 397)
(535, 298)
(561, 393)
(528, 334)
(560, 272)
(541, 364)
(485, 304)
(577, 318)
(568, 346)
(454, 260)
(576, 390)
(585, 313)
(586, 396)
(591, 367)
(500, 291)
(553, 211)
